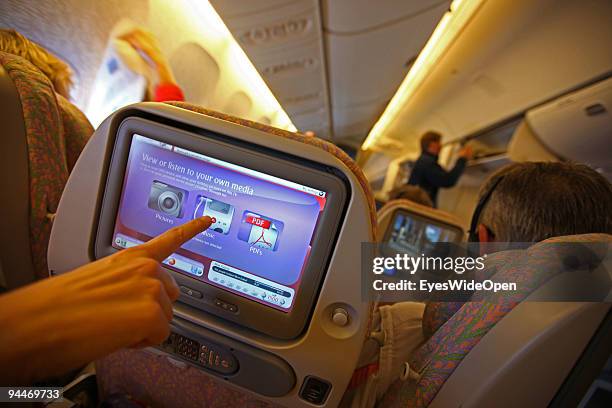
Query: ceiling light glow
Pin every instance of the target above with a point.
(233, 57)
(445, 33)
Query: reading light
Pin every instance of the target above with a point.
(446, 32)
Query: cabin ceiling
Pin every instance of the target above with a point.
(512, 56)
(332, 64)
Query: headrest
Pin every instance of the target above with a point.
(66, 126)
(53, 144)
(16, 267)
(575, 256)
(458, 334)
(530, 268)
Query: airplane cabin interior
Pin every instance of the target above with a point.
(306, 203)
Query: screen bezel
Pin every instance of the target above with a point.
(251, 314)
(423, 217)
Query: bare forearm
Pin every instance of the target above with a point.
(27, 341)
(61, 323)
(45, 333)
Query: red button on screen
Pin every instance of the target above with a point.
(260, 222)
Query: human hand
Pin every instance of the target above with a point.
(146, 44)
(61, 323)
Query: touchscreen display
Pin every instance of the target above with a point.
(263, 226)
(415, 235)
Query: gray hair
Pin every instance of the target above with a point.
(538, 200)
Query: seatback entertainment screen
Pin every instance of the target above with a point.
(263, 226)
(415, 235)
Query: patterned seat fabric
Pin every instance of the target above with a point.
(443, 352)
(56, 132)
(150, 378)
(438, 313)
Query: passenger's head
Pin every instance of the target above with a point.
(431, 142)
(56, 70)
(412, 193)
(533, 201)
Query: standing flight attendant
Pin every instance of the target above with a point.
(154, 66)
(428, 174)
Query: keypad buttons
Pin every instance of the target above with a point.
(229, 307)
(191, 292)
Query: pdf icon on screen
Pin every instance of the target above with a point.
(260, 231)
(258, 221)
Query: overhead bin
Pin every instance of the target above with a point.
(576, 126)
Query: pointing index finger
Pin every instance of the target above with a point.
(162, 246)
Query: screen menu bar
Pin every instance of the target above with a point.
(235, 167)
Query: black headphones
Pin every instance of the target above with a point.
(473, 233)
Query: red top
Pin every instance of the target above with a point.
(168, 92)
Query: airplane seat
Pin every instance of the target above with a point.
(387, 211)
(41, 132)
(494, 349)
(438, 313)
(322, 355)
(435, 313)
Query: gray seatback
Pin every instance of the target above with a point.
(525, 358)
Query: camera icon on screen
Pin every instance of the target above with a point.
(167, 199)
